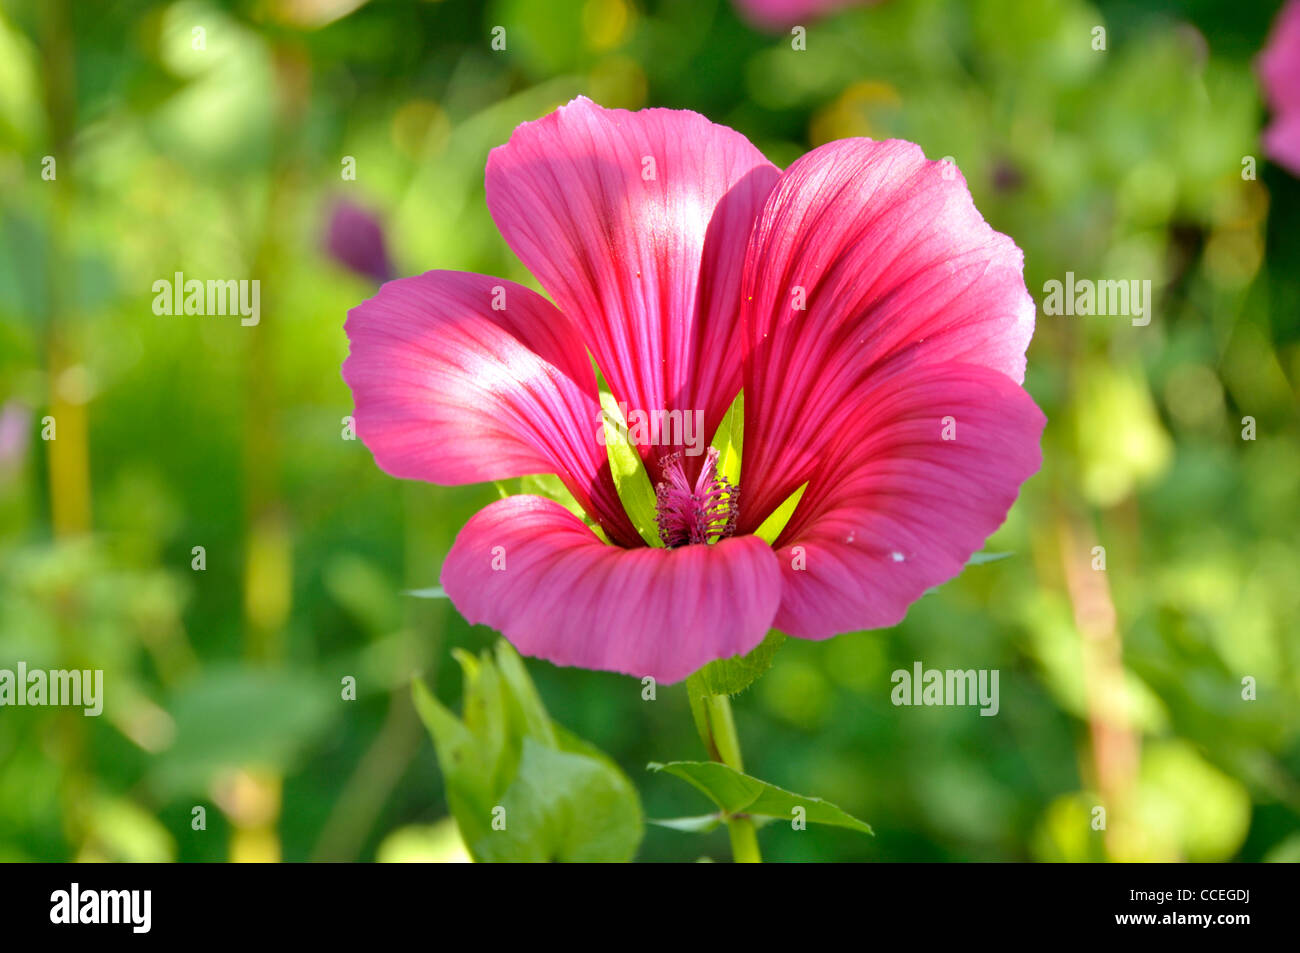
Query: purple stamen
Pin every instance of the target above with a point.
(704, 513)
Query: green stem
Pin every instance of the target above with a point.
(722, 726)
(744, 841)
(724, 745)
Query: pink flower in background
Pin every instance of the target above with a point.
(1279, 71)
(783, 14)
(15, 431)
(355, 239)
(876, 323)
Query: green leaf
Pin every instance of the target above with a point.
(566, 740)
(628, 469)
(526, 704)
(520, 787)
(466, 773)
(563, 807)
(487, 716)
(729, 440)
(731, 676)
(435, 592)
(770, 528)
(735, 793)
(691, 825)
(978, 559)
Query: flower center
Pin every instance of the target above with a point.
(703, 513)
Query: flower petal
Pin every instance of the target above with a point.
(1279, 63)
(892, 262)
(778, 15)
(635, 223)
(531, 570)
(452, 390)
(1281, 141)
(899, 508)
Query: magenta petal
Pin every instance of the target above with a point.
(1282, 141)
(450, 390)
(635, 223)
(1279, 63)
(898, 508)
(1279, 74)
(531, 570)
(777, 15)
(892, 262)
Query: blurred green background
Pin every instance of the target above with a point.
(1121, 688)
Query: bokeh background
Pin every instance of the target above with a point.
(1120, 688)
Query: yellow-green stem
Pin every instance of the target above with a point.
(744, 841)
(726, 744)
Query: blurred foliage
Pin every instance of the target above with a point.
(227, 685)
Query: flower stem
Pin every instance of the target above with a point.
(724, 744)
(744, 841)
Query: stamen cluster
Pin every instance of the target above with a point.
(703, 513)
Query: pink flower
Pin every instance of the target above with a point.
(678, 256)
(15, 427)
(1279, 72)
(783, 14)
(355, 239)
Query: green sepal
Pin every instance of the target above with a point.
(729, 440)
(731, 676)
(770, 529)
(629, 472)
